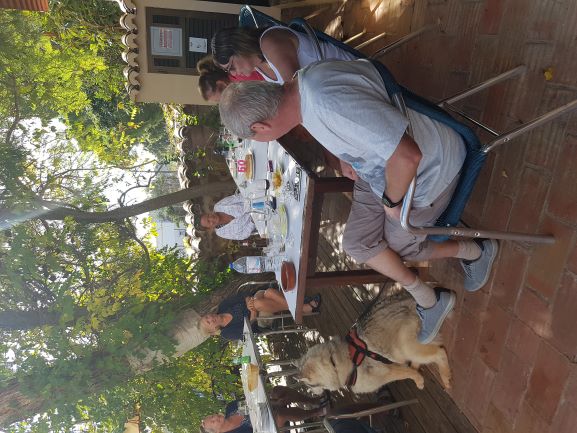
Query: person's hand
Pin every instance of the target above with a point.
(348, 171)
(394, 212)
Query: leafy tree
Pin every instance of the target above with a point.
(62, 65)
(93, 321)
(116, 321)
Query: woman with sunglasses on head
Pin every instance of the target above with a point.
(275, 52)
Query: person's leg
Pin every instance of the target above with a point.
(273, 301)
(365, 240)
(270, 305)
(379, 241)
(284, 395)
(284, 414)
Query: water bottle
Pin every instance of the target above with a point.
(257, 264)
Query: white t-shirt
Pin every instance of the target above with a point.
(345, 106)
(306, 53)
(242, 226)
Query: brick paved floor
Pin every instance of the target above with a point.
(513, 345)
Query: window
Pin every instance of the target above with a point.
(178, 39)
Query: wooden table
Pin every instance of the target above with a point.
(308, 218)
(308, 277)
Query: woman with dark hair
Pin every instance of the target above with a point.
(275, 52)
(228, 321)
(213, 80)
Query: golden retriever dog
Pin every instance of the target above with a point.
(389, 327)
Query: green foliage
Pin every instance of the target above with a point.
(107, 294)
(67, 64)
(39, 77)
(98, 270)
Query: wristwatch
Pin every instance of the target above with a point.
(388, 202)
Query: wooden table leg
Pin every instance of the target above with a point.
(315, 223)
(344, 278)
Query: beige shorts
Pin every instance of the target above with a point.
(370, 230)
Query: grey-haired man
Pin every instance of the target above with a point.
(345, 107)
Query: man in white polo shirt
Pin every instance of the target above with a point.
(345, 106)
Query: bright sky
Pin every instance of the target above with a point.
(114, 191)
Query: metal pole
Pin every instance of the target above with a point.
(352, 38)
(388, 48)
(470, 119)
(315, 13)
(530, 125)
(370, 41)
(474, 233)
(485, 84)
(300, 426)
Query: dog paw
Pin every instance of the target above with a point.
(446, 382)
(420, 382)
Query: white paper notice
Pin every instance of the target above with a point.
(197, 45)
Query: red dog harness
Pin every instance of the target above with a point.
(358, 351)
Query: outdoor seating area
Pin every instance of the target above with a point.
(376, 201)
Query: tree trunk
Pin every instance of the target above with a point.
(53, 212)
(16, 405)
(22, 320)
(139, 208)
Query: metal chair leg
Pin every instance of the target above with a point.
(370, 41)
(547, 117)
(519, 70)
(404, 39)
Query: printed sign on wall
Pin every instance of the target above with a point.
(166, 41)
(197, 45)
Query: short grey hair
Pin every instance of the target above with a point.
(248, 102)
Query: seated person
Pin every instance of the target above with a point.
(345, 106)
(230, 220)
(213, 80)
(276, 52)
(280, 398)
(228, 321)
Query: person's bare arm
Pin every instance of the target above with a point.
(401, 168)
(279, 47)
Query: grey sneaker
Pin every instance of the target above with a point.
(432, 318)
(477, 272)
